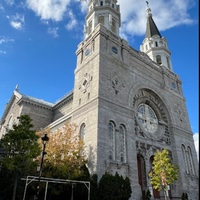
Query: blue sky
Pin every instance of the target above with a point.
(38, 40)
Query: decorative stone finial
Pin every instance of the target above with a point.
(147, 3)
(17, 88)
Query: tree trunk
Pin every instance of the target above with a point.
(14, 189)
(166, 195)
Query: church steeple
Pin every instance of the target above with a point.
(151, 28)
(154, 45)
(106, 12)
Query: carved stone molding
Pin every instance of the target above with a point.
(116, 83)
(85, 82)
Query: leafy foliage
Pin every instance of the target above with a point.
(64, 156)
(21, 148)
(64, 159)
(114, 187)
(146, 195)
(163, 172)
(94, 187)
(184, 196)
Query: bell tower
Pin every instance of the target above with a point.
(128, 103)
(105, 12)
(154, 45)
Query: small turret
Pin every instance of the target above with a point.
(106, 12)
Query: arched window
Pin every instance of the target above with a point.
(122, 144)
(150, 45)
(190, 161)
(3, 132)
(10, 122)
(113, 27)
(101, 20)
(141, 172)
(185, 158)
(168, 64)
(111, 129)
(158, 59)
(82, 131)
(156, 44)
(90, 26)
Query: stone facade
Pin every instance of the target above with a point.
(40, 112)
(114, 85)
(119, 79)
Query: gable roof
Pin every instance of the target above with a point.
(23, 98)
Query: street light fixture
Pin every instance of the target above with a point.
(45, 139)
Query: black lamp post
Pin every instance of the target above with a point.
(45, 139)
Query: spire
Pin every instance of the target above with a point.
(154, 45)
(151, 28)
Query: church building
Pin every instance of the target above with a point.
(126, 103)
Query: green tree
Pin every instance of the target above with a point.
(65, 159)
(114, 187)
(184, 196)
(94, 187)
(163, 173)
(146, 195)
(21, 147)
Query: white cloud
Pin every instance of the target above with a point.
(49, 9)
(5, 40)
(166, 14)
(196, 143)
(2, 52)
(1, 7)
(9, 2)
(16, 25)
(53, 32)
(73, 21)
(16, 21)
(83, 5)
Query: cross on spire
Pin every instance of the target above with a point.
(147, 3)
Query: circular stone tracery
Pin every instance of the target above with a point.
(150, 115)
(147, 118)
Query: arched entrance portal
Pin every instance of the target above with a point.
(141, 172)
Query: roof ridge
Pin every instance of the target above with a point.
(37, 100)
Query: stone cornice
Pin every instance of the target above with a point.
(24, 99)
(34, 103)
(65, 100)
